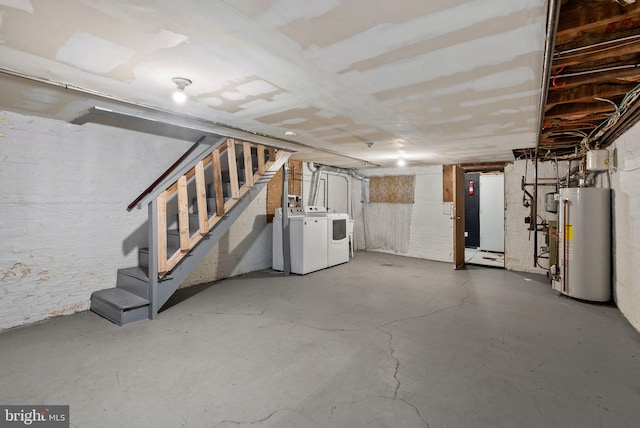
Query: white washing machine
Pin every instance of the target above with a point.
(277, 259)
(338, 239)
(308, 243)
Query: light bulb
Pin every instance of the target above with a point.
(179, 96)
(181, 82)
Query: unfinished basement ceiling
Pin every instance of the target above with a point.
(434, 82)
(596, 63)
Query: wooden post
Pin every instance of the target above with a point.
(272, 154)
(217, 183)
(183, 214)
(201, 193)
(233, 169)
(248, 165)
(261, 159)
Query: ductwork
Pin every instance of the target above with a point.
(319, 169)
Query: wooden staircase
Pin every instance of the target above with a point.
(188, 214)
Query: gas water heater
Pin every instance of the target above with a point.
(584, 244)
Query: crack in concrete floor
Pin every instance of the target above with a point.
(380, 328)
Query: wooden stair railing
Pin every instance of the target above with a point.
(206, 220)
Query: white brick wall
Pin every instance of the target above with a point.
(246, 247)
(431, 223)
(431, 233)
(518, 240)
(626, 225)
(63, 221)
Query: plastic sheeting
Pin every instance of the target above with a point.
(387, 227)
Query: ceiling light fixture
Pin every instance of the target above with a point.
(401, 162)
(181, 82)
(290, 134)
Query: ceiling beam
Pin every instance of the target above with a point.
(578, 18)
(586, 93)
(607, 75)
(483, 166)
(578, 111)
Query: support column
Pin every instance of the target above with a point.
(286, 249)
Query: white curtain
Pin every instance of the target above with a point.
(387, 226)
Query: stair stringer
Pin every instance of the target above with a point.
(162, 290)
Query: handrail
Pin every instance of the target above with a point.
(163, 175)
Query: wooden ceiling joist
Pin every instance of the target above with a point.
(604, 17)
(596, 63)
(605, 75)
(587, 93)
(577, 111)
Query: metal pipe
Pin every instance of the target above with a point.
(534, 220)
(595, 45)
(315, 184)
(553, 14)
(565, 252)
(286, 233)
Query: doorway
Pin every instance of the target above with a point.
(484, 213)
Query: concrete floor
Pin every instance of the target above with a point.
(383, 341)
(476, 256)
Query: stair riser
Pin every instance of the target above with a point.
(119, 316)
(143, 260)
(133, 285)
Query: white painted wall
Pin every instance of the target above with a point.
(333, 190)
(246, 247)
(431, 229)
(625, 155)
(338, 194)
(519, 241)
(63, 221)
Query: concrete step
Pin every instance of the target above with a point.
(119, 306)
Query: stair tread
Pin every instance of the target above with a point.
(120, 298)
(135, 272)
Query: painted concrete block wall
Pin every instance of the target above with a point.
(431, 230)
(63, 221)
(518, 241)
(625, 155)
(246, 247)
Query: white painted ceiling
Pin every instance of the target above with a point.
(433, 81)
